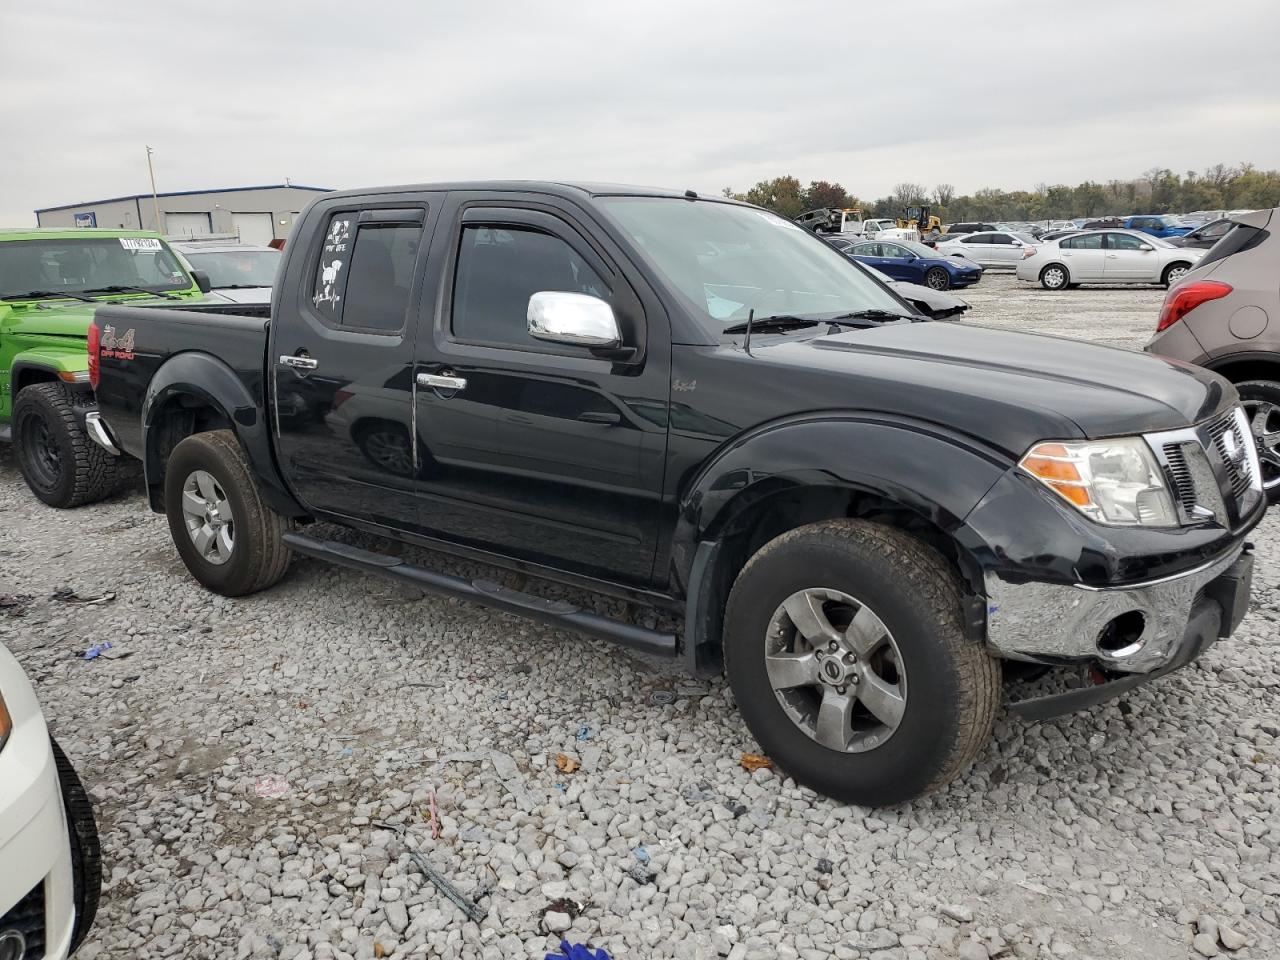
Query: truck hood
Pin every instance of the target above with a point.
(1010, 389)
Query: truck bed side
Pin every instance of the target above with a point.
(199, 363)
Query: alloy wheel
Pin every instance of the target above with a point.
(1175, 274)
(937, 279)
(1055, 278)
(836, 670)
(208, 518)
(1264, 424)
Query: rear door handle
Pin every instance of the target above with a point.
(300, 363)
(441, 381)
(1113, 256)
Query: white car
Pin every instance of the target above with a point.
(1107, 256)
(238, 272)
(50, 860)
(998, 248)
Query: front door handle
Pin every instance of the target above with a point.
(442, 381)
(1113, 256)
(299, 363)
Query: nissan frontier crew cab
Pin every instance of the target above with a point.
(694, 404)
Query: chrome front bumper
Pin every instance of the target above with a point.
(1061, 623)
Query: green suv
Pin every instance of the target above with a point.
(50, 282)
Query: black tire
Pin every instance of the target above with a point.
(937, 278)
(61, 465)
(1167, 277)
(86, 850)
(1055, 277)
(954, 685)
(258, 557)
(1255, 395)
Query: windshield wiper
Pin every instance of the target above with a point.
(123, 288)
(242, 286)
(779, 322)
(872, 315)
(39, 294)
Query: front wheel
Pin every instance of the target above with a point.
(1261, 402)
(1175, 272)
(1055, 277)
(61, 465)
(228, 538)
(86, 849)
(845, 650)
(937, 279)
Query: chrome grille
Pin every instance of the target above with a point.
(1230, 446)
(1179, 475)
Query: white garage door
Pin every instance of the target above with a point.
(187, 225)
(255, 228)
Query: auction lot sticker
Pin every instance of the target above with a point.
(140, 243)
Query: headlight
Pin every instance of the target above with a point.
(6, 723)
(1116, 482)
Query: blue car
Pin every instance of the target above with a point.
(1158, 225)
(912, 262)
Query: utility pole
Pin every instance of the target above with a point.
(155, 198)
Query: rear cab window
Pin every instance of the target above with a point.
(365, 272)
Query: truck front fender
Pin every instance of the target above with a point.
(827, 464)
(193, 387)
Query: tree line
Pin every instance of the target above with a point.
(1159, 190)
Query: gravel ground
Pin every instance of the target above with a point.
(243, 753)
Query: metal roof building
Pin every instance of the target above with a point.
(254, 214)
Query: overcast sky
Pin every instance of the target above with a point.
(681, 94)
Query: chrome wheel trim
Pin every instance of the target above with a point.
(207, 517)
(836, 670)
(1175, 274)
(1264, 424)
(1055, 278)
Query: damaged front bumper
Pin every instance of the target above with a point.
(1132, 633)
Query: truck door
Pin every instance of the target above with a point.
(533, 449)
(342, 362)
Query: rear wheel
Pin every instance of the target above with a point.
(1175, 272)
(1055, 277)
(86, 850)
(229, 539)
(61, 465)
(845, 651)
(937, 279)
(1261, 401)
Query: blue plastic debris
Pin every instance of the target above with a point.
(345, 752)
(577, 951)
(584, 732)
(97, 650)
(641, 854)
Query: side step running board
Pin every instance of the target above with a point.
(555, 612)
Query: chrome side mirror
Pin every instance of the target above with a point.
(576, 319)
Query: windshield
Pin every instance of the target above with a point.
(727, 260)
(77, 265)
(237, 268)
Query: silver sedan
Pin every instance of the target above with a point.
(1107, 256)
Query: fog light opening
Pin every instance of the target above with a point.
(1122, 636)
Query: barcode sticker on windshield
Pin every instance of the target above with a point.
(140, 243)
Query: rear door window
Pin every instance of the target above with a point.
(365, 273)
(1085, 241)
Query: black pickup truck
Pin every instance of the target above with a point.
(696, 405)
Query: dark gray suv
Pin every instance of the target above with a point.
(1220, 316)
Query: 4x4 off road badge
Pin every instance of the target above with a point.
(116, 347)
